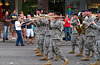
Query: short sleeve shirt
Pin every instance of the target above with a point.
(13, 16)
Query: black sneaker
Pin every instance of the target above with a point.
(23, 45)
(16, 45)
(3, 40)
(7, 39)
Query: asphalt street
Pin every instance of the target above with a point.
(24, 55)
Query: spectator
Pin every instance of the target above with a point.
(7, 20)
(13, 16)
(23, 28)
(29, 30)
(67, 28)
(18, 31)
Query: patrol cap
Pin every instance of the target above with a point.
(84, 10)
(57, 13)
(51, 11)
(75, 14)
(44, 13)
(98, 12)
(38, 9)
(90, 10)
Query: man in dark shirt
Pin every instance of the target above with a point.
(29, 30)
(6, 19)
(13, 16)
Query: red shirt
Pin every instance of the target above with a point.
(66, 22)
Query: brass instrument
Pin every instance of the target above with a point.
(83, 27)
(78, 28)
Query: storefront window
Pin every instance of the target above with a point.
(95, 7)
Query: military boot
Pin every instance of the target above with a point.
(66, 61)
(72, 52)
(48, 63)
(85, 59)
(95, 63)
(36, 49)
(80, 54)
(92, 55)
(40, 54)
(57, 57)
(44, 58)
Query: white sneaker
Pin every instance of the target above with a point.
(13, 38)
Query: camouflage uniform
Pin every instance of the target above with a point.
(40, 34)
(97, 44)
(90, 36)
(56, 26)
(47, 38)
(74, 34)
(82, 37)
(41, 29)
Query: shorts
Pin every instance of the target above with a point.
(12, 28)
(29, 32)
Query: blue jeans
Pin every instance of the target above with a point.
(6, 31)
(19, 38)
(67, 33)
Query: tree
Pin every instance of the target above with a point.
(43, 4)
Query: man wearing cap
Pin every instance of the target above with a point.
(97, 44)
(56, 26)
(38, 11)
(51, 13)
(47, 38)
(75, 23)
(90, 36)
(37, 23)
(82, 36)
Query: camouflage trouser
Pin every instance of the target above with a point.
(81, 42)
(89, 45)
(37, 40)
(97, 49)
(41, 42)
(54, 49)
(74, 41)
(46, 45)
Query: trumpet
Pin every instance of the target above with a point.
(29, 21)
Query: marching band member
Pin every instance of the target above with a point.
(75, 22)
(82, 36)
(56, 29)
(90, 36)
(97, 44)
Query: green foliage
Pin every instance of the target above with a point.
(29, 5)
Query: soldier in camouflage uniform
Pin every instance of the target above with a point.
(82, 36)
(46, 41)
(41, 30)
(90, 36)
(97, 44)
(74, 22)
(37, 50)
(47, 37)
(56, 26)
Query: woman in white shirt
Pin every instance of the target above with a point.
(18, 31)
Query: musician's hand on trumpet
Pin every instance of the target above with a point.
(83, 22)
(78, 24)
(93, 22)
